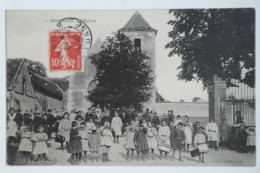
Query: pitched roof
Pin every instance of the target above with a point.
(13, 66)
(63, 83)
(46, 86)
(137, 23)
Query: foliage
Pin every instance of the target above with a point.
(33, 66)
(122, 73)
(195, 99)
(214, 42)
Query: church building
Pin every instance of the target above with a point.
(82, 83)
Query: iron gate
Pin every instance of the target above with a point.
(239, 101)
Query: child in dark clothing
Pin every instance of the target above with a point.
(75, 146)
(141, 143)
(178, 140)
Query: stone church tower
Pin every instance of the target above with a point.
(143, 37)
(81, 83)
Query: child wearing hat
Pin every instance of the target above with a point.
(94, 143)
(178, 139)
(75, 145)
(200, 140)
(141, 144)
(40, 147)
(83, 132)
(106, 140)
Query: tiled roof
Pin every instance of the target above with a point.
(45, 86)
(137, 23)
(63, 83)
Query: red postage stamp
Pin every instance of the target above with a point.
(65, 51)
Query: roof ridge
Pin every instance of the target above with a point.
(20, 67)
(47, 80)
(137, 23)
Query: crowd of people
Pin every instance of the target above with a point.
(97, 131)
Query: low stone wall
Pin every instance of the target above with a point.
(185, 108)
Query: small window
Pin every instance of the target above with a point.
(137, 43)
(24, 87)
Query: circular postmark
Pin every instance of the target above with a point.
(70, 24)
(69, 44)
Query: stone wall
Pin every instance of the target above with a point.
(26, 103)
(26, 99)
(23, 76)
(215, 91)
(199, 109)
(48, 102)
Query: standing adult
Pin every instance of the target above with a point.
(12, 129)
(12, 126)
(64, 128)
(19, 118)
(224, 133)
(37, 121)
(125, 121)
(241, 138)
(155, 120)
(116, 126)
(105, 118)
(212, 132)
(50, 122)
(57, 122)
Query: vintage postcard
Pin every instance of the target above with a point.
(162, 87)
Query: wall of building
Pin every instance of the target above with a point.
(49, 102)
(148, 46)
(23, 75)
(79, 83)
(184, 108)
(26, 98)
(26, 103)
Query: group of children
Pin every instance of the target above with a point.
(145, 138)
(33, 143)
(144, 134)
(95, 140)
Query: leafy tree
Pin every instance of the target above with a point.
(195, 99)
(33, 66)
(122, 73)
(214, 42)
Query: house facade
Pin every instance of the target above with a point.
(29, 91)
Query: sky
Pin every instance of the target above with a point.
(27, 33)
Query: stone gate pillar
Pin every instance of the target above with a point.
(216, 90)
